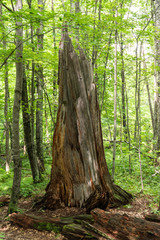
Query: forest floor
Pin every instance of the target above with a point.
(139, 208)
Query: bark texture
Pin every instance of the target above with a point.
(39, 105)
(157, 99)
(125, 227)
(79, 167)
(16, 112)
(28, 132)
(98, 225)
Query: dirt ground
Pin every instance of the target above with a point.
(8, 231)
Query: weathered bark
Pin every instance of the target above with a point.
(28, 133)
(79, 164)
(153, 218)
(125, 227)
(98, 225)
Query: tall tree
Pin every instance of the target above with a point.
(39, 106)
(6, 107)
(16, 110)
(157, 102)
(32, 115)
(28, 132)
(115, 101)
(79, 175)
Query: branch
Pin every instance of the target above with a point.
(19, 46)
(9, 9)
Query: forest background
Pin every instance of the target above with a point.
(120, 38)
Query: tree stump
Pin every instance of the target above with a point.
(79, 164)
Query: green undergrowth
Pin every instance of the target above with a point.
(47, 226)
(28, 188)
(2, 236)
(128, 177)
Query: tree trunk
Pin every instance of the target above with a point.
(125, 227)
(16, 112)
(28, 133)
(123, 90)
(39, 106)
(79, 167)
(98, 225)
(115, 102)
(157, 45)
(6, 109)
(32, 115)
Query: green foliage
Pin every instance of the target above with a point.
(2, 236)
(47, 226)
(27, 186)
(97, 37)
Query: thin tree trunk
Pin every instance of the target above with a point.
(16, 112)
(123, 90)
(115, 105)
(155, 105)
(71, 6)
(77, 10)
(28, 133)
(6, 110)
(39, 106)
(106, 62)
(54, 72)
(94, 52)
(128, 131)
(136, 93)
(148, 91)
(157, 45)
(139, 120)
(32, 116)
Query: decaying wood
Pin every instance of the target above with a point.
(4, 200)
(153, 218)
(77, 227)
(98, 225)
(97, 199)
(79, 164)
(125, 227)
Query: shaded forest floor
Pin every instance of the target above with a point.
(139, 208)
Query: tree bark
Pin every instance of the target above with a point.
(115, 102)
(39, 106)
(98, 225)
(157, 46)
(79, 166)
(123, 90)
(28, 133)
(125, 227)
(6, 108)
(16, 113)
